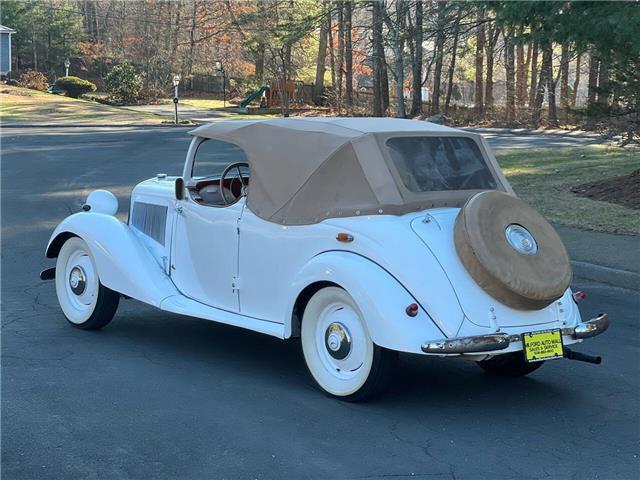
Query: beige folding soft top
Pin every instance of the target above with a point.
(304, 170)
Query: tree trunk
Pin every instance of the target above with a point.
(490, 45)
(603, 85)
(564, 77)
(551, 84)
(452, 64)
(348, 9)
(576, 82)
(479, 63)
(521, 69)
(542, 83)
(416, 80)
(318, 86)
(398, 60)
(533, 91)
(340, 56)
(437, 72)
(593, 78)
(509, 62)
(332, 53)
(377, 60)
(192, 37)
(385, 82)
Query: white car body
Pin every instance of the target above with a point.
(230, 266)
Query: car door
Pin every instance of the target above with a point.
(205, 253)
(204, 260)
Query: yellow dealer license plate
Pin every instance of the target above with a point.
(544, 345)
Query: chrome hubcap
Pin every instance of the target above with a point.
(337, 341)
(77, 280)
(521, 239)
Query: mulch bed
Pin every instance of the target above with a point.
(623, 190)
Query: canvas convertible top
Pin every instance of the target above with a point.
(304, 170)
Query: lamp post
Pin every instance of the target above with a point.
(220, 68)
(67, 64)
(176, 82)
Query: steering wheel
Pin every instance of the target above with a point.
(238, 174)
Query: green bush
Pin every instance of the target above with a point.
(123, 83)
(33, 79)
(75, 86)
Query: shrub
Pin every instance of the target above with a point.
(75, 86)
(123, 83)
(33, 79)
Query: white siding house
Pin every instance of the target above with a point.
(5, 49)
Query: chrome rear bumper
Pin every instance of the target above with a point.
(590, 328)
(500, 341)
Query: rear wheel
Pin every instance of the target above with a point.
(85, 302)
(509, 365)
(340, 355)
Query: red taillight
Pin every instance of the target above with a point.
(579, 296)
(412, 310)
(344, 237)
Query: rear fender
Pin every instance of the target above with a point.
(123, 263)
(380, 297)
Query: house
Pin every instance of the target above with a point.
(5, 49)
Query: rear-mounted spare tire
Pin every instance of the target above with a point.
(511, 251)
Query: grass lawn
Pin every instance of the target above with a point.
(204, 103)
(21, 105)
(544, 177)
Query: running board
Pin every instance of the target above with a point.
(186, 306)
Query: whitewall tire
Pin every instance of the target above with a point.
(340, 355)
(85, 302)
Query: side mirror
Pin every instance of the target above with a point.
(179, 186)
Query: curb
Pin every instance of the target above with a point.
(531, 131)
(608, 275)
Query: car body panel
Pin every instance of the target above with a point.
(229, 265)
(124, 263)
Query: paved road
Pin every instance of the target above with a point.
(155, 395)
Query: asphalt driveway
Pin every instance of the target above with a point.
(156, 395)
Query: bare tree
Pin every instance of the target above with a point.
(340, 56)
(522, 63)
(479, 62)
(493, 32)
(348, 53)
(378, 64)
(416, 53)
(452, 62)
(318, 87)
(533, 91)
(594, 65)
(396, 29)
(603, 85)
(576, 82)
(543, 82)
(439, 45)
(564, 79)
(509, 62)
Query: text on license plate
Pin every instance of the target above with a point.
(545, 345)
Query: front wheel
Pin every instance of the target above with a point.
(340, 355)
(509, 365)
(85, 302)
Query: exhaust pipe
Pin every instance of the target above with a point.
(581, 357)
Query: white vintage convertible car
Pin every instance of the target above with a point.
(364, 237)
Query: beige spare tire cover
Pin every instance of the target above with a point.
(511, 251)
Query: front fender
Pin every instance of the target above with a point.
(380, 297)
(123, 263)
